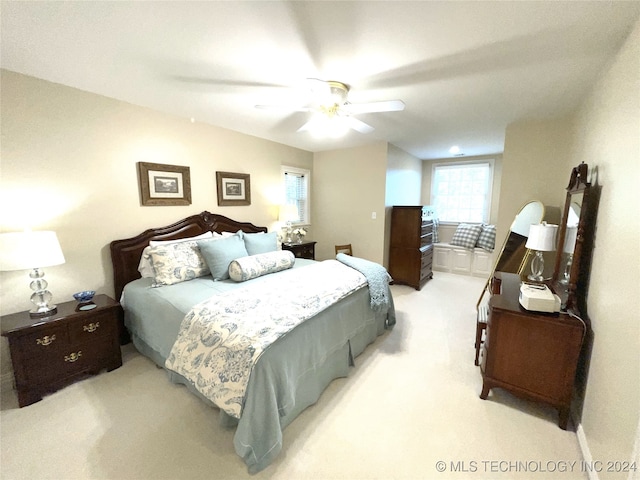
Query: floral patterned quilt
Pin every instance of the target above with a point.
(221, 339)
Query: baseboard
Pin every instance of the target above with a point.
(586, 453)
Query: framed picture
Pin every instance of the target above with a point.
(233, 188)
(164, 184)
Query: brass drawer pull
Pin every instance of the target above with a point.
(92, 327)
(72, 357)
(46, 340)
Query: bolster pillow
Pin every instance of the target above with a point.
(246, 268)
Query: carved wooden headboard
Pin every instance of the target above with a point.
(126, 253)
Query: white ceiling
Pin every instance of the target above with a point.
(465, 70)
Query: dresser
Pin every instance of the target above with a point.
(411, 246)
(532, 355)
(49, 353)
(301, 249)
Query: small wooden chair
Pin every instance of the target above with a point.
(346, 249)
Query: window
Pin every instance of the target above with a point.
(296, 192)
(461, 192)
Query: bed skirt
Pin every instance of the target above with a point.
(280, 389)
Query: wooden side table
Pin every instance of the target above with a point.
(52, 352)
(302, 249)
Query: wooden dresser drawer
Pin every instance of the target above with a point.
(426, 228)
(426, 240)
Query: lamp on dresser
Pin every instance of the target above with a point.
(542, 238)
(32, 250)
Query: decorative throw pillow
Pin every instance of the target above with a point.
(177, 262)
(257, 243)
(145, 267)
(219, 253)
(246, 268)
(487, 238)
(466, 235)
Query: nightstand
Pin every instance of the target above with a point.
(302, 249)
(52, 352)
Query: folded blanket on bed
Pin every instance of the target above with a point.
(377, 277)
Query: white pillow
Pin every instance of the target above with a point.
(145, 267)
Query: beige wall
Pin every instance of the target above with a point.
(347, 186)
(403, 186)
(607, 137)
(535, 166)
(69, 165)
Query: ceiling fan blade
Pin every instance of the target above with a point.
(307, 126)
(321, 125)
(358, 125)
(284, 108)
(373, 107)
(223, 82)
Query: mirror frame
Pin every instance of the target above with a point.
(520, 240)
(578, 185)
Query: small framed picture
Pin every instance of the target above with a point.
(164, 184)
(233, 188)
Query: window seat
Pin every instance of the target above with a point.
(464, 261)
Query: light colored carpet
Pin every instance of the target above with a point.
(410, 402)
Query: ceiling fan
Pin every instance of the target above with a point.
(332, 111)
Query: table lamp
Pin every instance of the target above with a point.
(569, 244)
(32, 250)
(288, 213)
(542, 238)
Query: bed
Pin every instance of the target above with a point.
(289, 374)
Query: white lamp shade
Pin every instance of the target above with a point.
(27, 250)
(570, 239)
(542, 237)
(288, 213)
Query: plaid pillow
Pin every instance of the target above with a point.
(466, 235)
(436, 222)
(487, 238)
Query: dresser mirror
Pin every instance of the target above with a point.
(513, 255)
(570, 275)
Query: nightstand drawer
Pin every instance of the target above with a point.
(65, 362)
(42, 340)
(99, 325)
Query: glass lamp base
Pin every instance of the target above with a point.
(537, 267)
(44, 311)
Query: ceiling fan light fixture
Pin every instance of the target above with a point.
(324, 126)
(337, 93)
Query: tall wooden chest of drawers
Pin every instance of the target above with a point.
(411, 246)
(52, 352)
